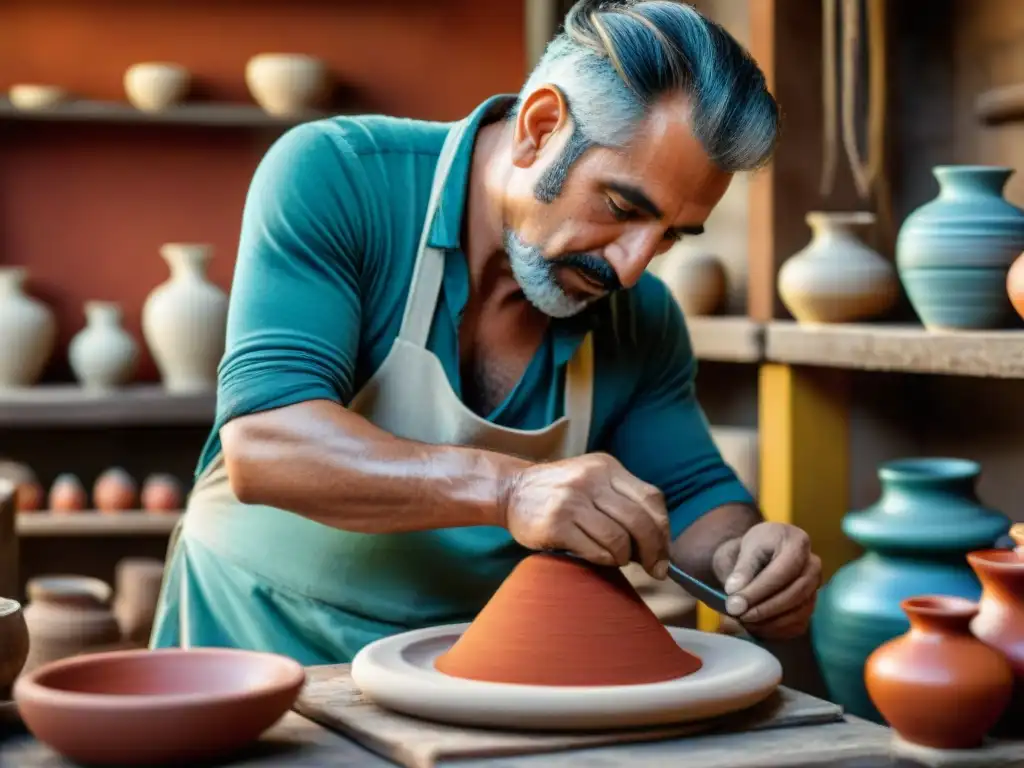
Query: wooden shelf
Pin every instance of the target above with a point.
(906, 348)
(71, 406)
(1000, 105)
(92, 523)
(197, 114)
(726, 339)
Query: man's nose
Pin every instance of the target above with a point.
(635, 251)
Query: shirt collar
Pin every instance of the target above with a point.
(446, 229)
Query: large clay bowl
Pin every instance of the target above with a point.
(142, 707)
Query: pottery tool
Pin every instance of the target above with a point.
(711, 597)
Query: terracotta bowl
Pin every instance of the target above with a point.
(143, 707)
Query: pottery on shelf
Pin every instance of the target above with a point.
(695, 278)
(915, 537)
(103, 354)
(938, 686)
(33, 96)
(28, 492)
(155, 86)
(137, 589)
(837, 278)
(1000, 620)
(114, 491)
(184, 320)
(559, 621)
(953, 254)
(13, 644)
(286, 83)
(28, 331)
(67, 494)
(1015, 285)
(162, 492)
(66, 616)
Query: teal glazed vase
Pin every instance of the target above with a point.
(915, 539)
(954, 252)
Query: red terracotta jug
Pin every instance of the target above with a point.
(560, 621)
(1000, 621)
(937, 685)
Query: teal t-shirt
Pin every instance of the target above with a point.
(329, 236)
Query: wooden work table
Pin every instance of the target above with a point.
(296, 742)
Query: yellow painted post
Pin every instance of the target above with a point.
(804, 437)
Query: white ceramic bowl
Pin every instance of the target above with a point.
(286, 83)
(154, 86)
(30, 96)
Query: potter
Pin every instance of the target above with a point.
(444, 352)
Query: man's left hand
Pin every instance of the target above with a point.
(772, 579)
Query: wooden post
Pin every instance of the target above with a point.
(8, 541)
(540, 22)
(805, 455)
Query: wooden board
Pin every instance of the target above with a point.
(331, 699)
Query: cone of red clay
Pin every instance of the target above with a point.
(560, 621)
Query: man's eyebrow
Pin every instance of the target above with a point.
(636, 197)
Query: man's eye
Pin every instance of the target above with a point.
(618, 212)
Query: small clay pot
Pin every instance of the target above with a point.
(13, 644)
(28, 493)
(66, 616)
(1000, 620)
(1015, 284)
(115, 491)
(937, 685)
(161, 493)
(137, 583)
(67, 494)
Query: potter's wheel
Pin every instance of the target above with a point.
(398, 673)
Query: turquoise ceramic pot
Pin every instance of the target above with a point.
(953, 253)
(916, 537)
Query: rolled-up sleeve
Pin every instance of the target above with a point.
(294, 313)
(663, 436)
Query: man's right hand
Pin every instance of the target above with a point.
(591, 506)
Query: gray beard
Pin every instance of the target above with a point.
(536, 278)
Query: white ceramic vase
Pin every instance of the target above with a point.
(184, 320)
(28, 331)
(695, 278)
(837, 278)
(286, 83)
(103, 354)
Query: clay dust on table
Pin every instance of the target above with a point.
(558, 621)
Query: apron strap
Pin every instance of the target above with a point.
(579, 396)
(429, 269)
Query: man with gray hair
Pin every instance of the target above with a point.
(444, 353)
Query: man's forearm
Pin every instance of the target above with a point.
(695, 547)
(321, 461)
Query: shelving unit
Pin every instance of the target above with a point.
(94, 523)
(726, 339)
(900, 348)
(72, 406)
(197, 114)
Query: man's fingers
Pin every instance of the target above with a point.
(646, 540)
(764, 567)
(796, 594)
(608, 533)
(791, 624)
(650, 529)
(581, 544)
(724, 560)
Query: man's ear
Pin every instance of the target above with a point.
(544, 114)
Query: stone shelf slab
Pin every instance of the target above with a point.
(905, 348)
(72, 406)
(93, 523)
(727, 339)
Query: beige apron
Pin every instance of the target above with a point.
(397, 579)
